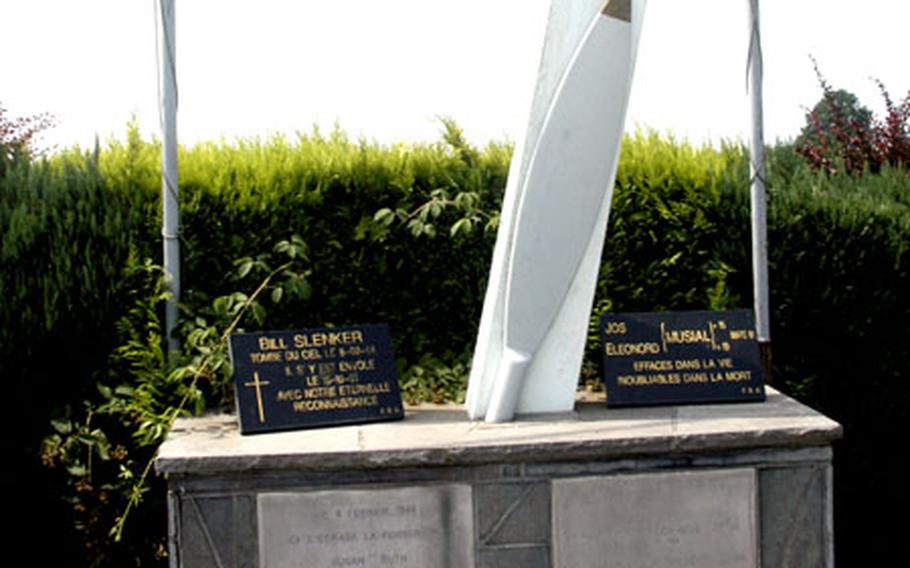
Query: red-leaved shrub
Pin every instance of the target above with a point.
(841, 135)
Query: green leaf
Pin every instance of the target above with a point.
(103, 452)
(277, 293)
(62, 425)
(245, 267)
(462, 225)
(384, 216)
(104, 390)
(258, 312)
(76, 470)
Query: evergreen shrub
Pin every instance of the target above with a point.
(403, 234)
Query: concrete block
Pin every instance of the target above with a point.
(217, 531)
(793, 517)
(512, 513)
(668, 486)
(519, 557)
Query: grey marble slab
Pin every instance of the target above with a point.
(658, 520)
(406, 527)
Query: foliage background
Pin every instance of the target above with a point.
(403, 234)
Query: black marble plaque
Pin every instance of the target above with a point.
(680, 358)
(314, 377)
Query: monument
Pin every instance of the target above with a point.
(727, 485)
(572, 483)
(554, 215)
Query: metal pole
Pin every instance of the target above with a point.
(757, 192)
(167, 92)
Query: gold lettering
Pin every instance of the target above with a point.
(259, 357)
(290, 394)
(321, 392)
(621, 349)
(258, 384)
(687, 365)
(741, 334)
(687, 336)
(342, 403)
(647, 380)
(695, 377)
(615, 328)
(271, 343)
(310, 354)
(736, 376)
(369, 388)
(327, 338)
(358, 365)
(649, 365)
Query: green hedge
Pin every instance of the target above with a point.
(238, 200)
(840, 281)
(403, 234)
(65, 235)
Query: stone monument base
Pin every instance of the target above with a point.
(737, 485)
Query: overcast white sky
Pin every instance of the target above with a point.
(386, 68)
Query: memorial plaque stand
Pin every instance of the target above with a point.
(741, 485)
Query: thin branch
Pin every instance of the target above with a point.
(136, 493)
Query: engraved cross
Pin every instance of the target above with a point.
(258, 384)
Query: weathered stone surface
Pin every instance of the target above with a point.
(522, 557)
(282, 480)
(217, 531)
(779, 422)
(515, 488)
(793, 517)
(437, 436)
(411, 527)
(203, 524)
(729, 458)
(512, 513)
(660, 520)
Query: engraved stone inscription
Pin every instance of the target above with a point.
(662, 520)
(414, 527)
